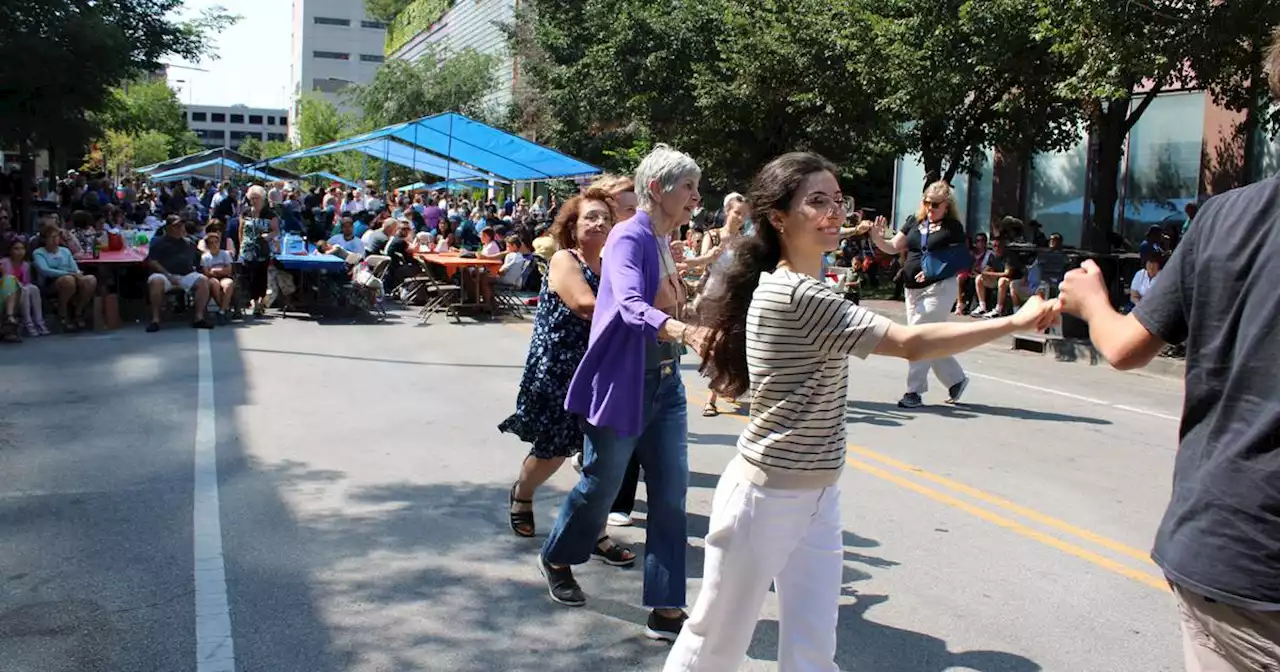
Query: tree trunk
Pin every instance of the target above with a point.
(1107, 130)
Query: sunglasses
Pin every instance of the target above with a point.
(935, 204)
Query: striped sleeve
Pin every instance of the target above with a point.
(835, 325)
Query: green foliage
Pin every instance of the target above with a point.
(321, 122)
(60, 58)
(403, 90)
(253, 148)
(407, 18)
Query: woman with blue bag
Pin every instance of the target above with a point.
(937, 251)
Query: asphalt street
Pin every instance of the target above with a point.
(360, 518)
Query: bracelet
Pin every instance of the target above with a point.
(683, 332)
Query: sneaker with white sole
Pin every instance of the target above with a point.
(978, 312)
(956, 391)
(910, 400)
(619, 519)
(664, 628)
(993, 313)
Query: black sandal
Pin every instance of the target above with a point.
(521, 521)
(615, 555)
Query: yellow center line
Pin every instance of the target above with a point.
(1085, 554)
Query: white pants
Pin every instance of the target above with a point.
(758, 536)
(925, 306)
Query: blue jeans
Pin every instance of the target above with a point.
(663, 451)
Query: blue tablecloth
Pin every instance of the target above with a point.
(312, 262)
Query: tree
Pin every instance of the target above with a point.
(321, 122)
(385, 10)
(962, 77)
(1121, 55)
(435, 83)
(252, 147)
(146, 106)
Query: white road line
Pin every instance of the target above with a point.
(1077, 397)
(214, 650)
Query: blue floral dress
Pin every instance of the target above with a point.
(558, 344)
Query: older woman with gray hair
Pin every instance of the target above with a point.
(628, 389)
(259, 227)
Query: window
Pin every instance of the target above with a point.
(371, 58)
(335, 55)
(377, 25)
(199, 116)
(1055, 192)
(255, 119)
(328, 85)
(210, 134)
(219, 117)
(1163, 163)
(285, 122)
(184, 115)
(271, 121)
(328, 21)
(241, 135)
(1266, 155)
(277, 137)
(237, 118)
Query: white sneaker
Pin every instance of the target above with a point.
(978, 312)
(994, 312)
(619, 520)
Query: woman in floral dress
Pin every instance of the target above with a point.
(561, 329)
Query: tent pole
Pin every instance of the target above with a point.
(449, 150)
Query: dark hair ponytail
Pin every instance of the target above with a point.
(724, 308)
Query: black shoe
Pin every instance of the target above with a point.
(616, 556)
(153, 327)
(561, 585)
(664, 628)
(956, 391)
(202, 324)
(910, 400)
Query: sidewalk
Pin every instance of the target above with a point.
(1063, 350)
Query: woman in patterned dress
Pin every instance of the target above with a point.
(561, 329)
(259, 226)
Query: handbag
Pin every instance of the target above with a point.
(945, 263)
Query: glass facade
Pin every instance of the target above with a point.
(973, 194)
(1163, 168)
(1266, 156)
(1055, 192)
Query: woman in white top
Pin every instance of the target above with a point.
(1145, 279)
(215, 263)
(780, 334)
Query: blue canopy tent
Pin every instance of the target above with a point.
(451, 185)
(455, 147)
(332, 178)
(211, 169)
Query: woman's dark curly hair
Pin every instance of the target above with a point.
(724, 308)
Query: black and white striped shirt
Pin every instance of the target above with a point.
(799, 337)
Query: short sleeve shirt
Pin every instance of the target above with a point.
(1220, 536)
(176, 255)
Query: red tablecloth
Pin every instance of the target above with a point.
(136, 255)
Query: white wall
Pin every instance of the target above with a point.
(474, 24)
(354, 39)
(260, 130)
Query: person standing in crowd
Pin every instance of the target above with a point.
(561, 330)
(1219, 542)
(259, 226)
(735, 215)
(778, 331)
(929, 295)
(629, 391)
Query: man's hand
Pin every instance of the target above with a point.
(174, 280)
(1084, 290)
(1036, 314)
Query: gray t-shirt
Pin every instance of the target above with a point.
(1221, 533)
(177, 255)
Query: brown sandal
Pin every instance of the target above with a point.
(710, 410)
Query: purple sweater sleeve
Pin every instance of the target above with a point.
(625, 266)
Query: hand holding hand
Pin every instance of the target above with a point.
(1036, 314)
(697, 338)
(1083, 290)
(863, 228)
(920, 276)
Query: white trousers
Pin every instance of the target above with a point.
(758, 536)
(924, 306)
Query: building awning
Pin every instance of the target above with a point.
(453, 146)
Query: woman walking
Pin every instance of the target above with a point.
(560, 333)
(779, 332)
(259, 227)
(628, 390)
(735, 215)
(937, 251)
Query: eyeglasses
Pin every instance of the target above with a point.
(935, 204)
(828, 205)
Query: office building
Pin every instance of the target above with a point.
(475, 24)
(228, 126)
(334, 46)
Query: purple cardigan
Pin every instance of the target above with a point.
(609, 385)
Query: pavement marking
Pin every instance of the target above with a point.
(1143, 577)
(1077, 397)
(214, 649)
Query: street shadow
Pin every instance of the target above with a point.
(698, 479)
(701, 439)
(379, 360)
(888, 414)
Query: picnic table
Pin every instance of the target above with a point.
(315, 270)
(452, 262)
(128, 255)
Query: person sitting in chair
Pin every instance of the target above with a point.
(173, 261)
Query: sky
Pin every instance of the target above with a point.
(252, 67)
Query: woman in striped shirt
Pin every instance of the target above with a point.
(780, 334)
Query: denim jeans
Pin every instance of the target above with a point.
(662, 449)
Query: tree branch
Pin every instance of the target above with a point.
(1136, 114)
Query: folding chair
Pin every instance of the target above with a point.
(440, 296)
(369, 296)
(509, 295)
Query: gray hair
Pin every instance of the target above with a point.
(667, 167)
(256, 189)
